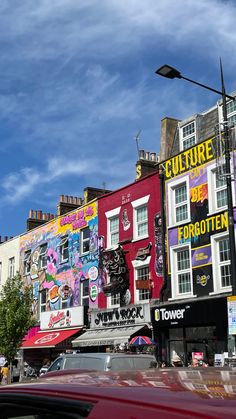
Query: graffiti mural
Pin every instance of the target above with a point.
(58, 258)
(158, 245)
(115, 265)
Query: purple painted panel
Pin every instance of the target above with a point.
(201, 256)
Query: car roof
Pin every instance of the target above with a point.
(103, 354)
(181, 387)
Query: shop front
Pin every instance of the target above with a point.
(198, 327)
(57, 330)
(113, 328)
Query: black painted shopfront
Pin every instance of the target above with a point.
(189, 327)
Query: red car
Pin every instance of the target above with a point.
(176, 393)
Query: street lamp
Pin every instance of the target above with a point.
(172, 73)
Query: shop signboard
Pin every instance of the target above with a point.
(231, 305)
(121, 316)
(61, 319)
(197, 355)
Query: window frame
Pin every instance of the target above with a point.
(217, 287)
(171, 188)
(138, 204)
(175, 294)
(231, 114)
(42, 256)
(184, 138)
(110, 299)
(26, 262)
(111, 215)
(213, 190)
(84, 240)
(140, 264)
(62, 248)
(43, 292)
(11, 267)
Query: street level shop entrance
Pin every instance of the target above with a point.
(184, 329)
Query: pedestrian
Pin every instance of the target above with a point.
(176, 361)
(4, 372)
(15, 371)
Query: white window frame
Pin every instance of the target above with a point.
(26, 262)
(218, 289)
(62, 246)
(187, 137)
(109, 215)
(84, 240)
(42, 261)
(212, 190)
(110, 299)
(138, 264)
(231, 114)
(137, 204)
(84, 296)
(11, 267)
(171, 188)
(174, 273)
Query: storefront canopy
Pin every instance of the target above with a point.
(48, 339)
(109, 336)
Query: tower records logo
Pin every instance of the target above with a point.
(157, 315)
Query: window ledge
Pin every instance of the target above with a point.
(221, 291)
(179, 224)
(139, 239)
(216, 211)
(182, 297)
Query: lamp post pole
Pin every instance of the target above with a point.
(229, 189)
(171, 73)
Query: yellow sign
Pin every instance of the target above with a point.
(189, 159)
(210, 224)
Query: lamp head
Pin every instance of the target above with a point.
(168, 72)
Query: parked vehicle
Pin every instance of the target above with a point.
(103, 362)
(153, 393)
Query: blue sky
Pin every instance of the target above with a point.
(77, 82)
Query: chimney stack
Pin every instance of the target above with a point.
(37, 218)
(146, 164)
(68, 203)
(92, 193)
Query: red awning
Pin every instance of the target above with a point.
(48, 339)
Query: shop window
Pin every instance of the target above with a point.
(42, 263)
(221, 262)
(85, 240)
(181, 272)
(187, 135)
(178, 202)
(113, 227)
(217, 188)
(27, 262)
(140, 218)
(63, 248)
(11, 267)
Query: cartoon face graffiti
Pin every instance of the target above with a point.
(52, 258)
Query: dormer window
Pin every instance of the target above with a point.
(187, 135)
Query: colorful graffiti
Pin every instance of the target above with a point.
(115, 265)
(58, 272)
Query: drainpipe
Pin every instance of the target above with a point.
(163, 234)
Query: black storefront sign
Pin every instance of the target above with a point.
(203, 312)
